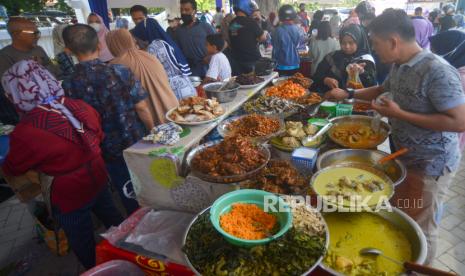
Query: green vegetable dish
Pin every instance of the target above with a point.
(210, 254)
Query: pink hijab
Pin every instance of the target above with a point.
(105, 54)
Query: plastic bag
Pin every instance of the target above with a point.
(162, 232)
(115, 267)
(117, 233)
(353, 80)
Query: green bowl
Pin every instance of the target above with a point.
(223, 205)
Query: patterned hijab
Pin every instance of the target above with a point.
(29, 85)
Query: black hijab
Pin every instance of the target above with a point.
(358, 35)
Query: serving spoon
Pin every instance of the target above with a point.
(409, 266)
(381, 164)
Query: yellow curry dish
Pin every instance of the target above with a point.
(351, 232)
(357, 135)
(345, 183)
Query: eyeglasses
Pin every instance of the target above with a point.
(35, 33)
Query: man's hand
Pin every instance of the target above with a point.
(331, 83)
(336, 94)
(387, 108)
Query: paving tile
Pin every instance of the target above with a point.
(17, 234)
(5, 249)
(462, 225)
(458, 252)
(458, 189)
(456, 211)
(440, 265)
(448, 236)
(451, 194)
(459, 232)
(4, 212)
(457, 203)
(450, 222)
(453, 263)
(443, 247)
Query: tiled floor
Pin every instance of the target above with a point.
(18, 240)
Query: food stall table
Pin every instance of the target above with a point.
(156, 170)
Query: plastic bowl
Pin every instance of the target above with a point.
(223, 205)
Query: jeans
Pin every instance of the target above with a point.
(79, 228)
(119, 175)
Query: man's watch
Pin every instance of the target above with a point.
(351, 93)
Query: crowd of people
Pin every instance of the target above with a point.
(108, 89)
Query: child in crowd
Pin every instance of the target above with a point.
(219, 68)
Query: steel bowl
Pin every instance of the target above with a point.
(228, 178)
(385, 128)
(361, 166)
(395, 169)
(196, 81)
(223, 96)
(223, 129)
(312, 268)
(409, 227)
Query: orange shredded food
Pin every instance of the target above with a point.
(287, 90)
(248, 221)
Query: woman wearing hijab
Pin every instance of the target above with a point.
(60, 137)
(147, 69)
(175, 65)
(95, 21)
(451, 46)
(332, 70)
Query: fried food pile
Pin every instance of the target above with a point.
(196, 109)
(287, 90)
(313, 98)
(249, 79)
(235, 155)
(278, 177)
(301, 80)
(254, 125)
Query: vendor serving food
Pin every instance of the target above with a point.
(354, 56)
(426, 113)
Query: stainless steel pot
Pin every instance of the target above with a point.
(395, 169)
(409, 227)
(223, 96)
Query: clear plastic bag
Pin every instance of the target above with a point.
(115, 267)
(162, 232)
(353, 80)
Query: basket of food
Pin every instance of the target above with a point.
(229, 161)
(297, 252)
(272, 106)
(356, 132)
(259, 127)
(279, 177)
(195, 111)
(298, 78)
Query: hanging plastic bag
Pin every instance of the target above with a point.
(162, 232)
(353, 80)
